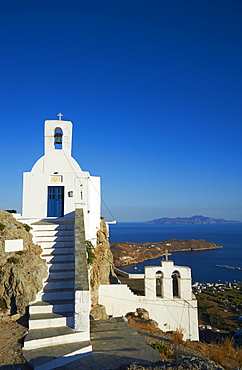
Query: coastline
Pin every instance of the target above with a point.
(202, 264)
(126, 253)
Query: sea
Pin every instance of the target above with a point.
(202, 263)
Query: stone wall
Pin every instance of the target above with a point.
(81, 272)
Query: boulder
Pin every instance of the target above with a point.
(186, 363)
(98, 312)
(22, 272)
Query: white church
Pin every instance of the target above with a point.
(56, 185)
(61, 203)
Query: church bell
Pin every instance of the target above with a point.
(58, 138)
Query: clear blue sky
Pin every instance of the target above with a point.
(153, 88)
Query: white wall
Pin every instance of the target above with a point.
(169, 314)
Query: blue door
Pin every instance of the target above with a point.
(55, 201)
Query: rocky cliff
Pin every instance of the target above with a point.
(102, 270)
(21, 272)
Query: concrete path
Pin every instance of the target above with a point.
(114, 344)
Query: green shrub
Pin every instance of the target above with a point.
(27, 227)
(162, 348)
(13, 260)
(90, 255)
(2, 226)
(20, 253)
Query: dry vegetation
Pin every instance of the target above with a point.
(172, 347)
(177, 336)
(223, 353)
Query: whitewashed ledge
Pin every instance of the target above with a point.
(127, 275)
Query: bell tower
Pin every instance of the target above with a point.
(58, 136)
(56, 185)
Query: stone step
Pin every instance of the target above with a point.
(55, 232)
(62, 244)
(52, 357)
(50, 227)
(41, 307)
(35, 222)
(50, 238)
(59, 284)
(38, 338)
(58, 258)
(56, 295)
(60, 266)
(61, 275)
(54, 251)
(49, 320)
(107, 330)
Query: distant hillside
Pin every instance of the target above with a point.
(190, 220)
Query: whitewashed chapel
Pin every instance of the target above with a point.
(56, 184)
(62, 205)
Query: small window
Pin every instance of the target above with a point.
(59, 193)
(176, 284)
(51, 193)
(159, 284)
(58, 138)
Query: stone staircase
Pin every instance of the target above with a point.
(52, 340)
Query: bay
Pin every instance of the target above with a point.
(202, 263)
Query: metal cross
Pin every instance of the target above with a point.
(166, 254)
(60, 115)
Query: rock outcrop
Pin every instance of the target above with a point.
(142, 315)
(187, 363)
(22, 272)
(102, 271)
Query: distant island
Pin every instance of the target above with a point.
(190, 220)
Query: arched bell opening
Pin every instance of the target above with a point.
(176, 283)
(58, 138)
(159, 284)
